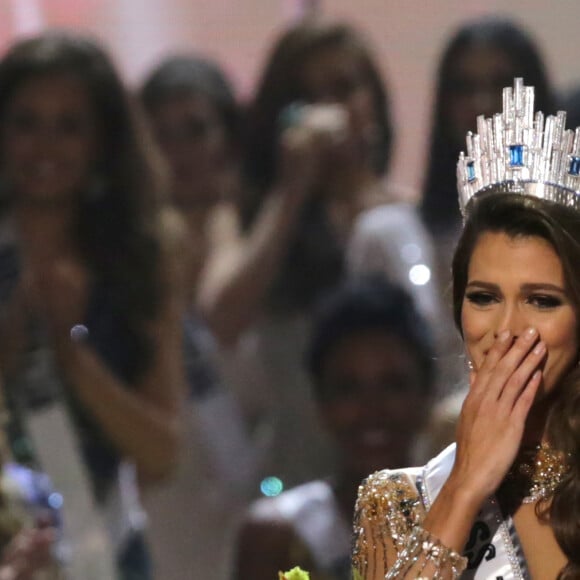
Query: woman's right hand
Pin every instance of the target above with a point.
(493, 416)
(489, 433)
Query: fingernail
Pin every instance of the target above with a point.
(540, 348)
(531, 333)
(503, 335)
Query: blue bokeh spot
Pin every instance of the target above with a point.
(271, 486)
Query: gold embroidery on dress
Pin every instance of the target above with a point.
(387, 509)
(388, 536)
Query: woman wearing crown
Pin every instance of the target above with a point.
(504, 501)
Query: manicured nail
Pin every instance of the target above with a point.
(531, 333)
(503, 335)
(540, 348)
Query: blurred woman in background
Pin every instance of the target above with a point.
(370, 360)
(92, 321)
(316, 207)
(195, 119)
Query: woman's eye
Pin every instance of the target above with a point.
(22, 122)
(544, 301)
(481, 298)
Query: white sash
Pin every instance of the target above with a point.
(493, 548)
(88, 554)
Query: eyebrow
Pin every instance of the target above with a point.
(531, 287)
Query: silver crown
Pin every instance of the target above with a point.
(516, 152)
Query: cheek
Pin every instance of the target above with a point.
(561, 338)
(478, 333)
(475, 325)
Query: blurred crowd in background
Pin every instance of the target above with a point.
(218, 315)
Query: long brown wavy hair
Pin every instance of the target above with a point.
(523, 216)
(118, 216)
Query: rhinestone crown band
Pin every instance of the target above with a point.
(517, 152)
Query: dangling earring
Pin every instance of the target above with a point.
(470, 366)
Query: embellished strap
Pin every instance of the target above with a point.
(425, 551)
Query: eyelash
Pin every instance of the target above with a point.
(540, 301)
(544, 301)
(481, 298)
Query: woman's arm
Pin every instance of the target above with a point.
(489, 435)
(238, 275)
(141, 420)
(389, 533)
(240, 270)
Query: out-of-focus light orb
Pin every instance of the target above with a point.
(79, 333)
(419, 275)
(55, 501)
(271, 486)
(411, 253)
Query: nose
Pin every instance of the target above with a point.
(510, 317)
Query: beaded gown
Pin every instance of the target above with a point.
(389, 539)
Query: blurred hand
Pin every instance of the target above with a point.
(28, 553)
(309, 144)
(492, 420)
(57, 291)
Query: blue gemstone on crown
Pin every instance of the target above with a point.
(574, 168)
(516, 155)
(470, 167)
